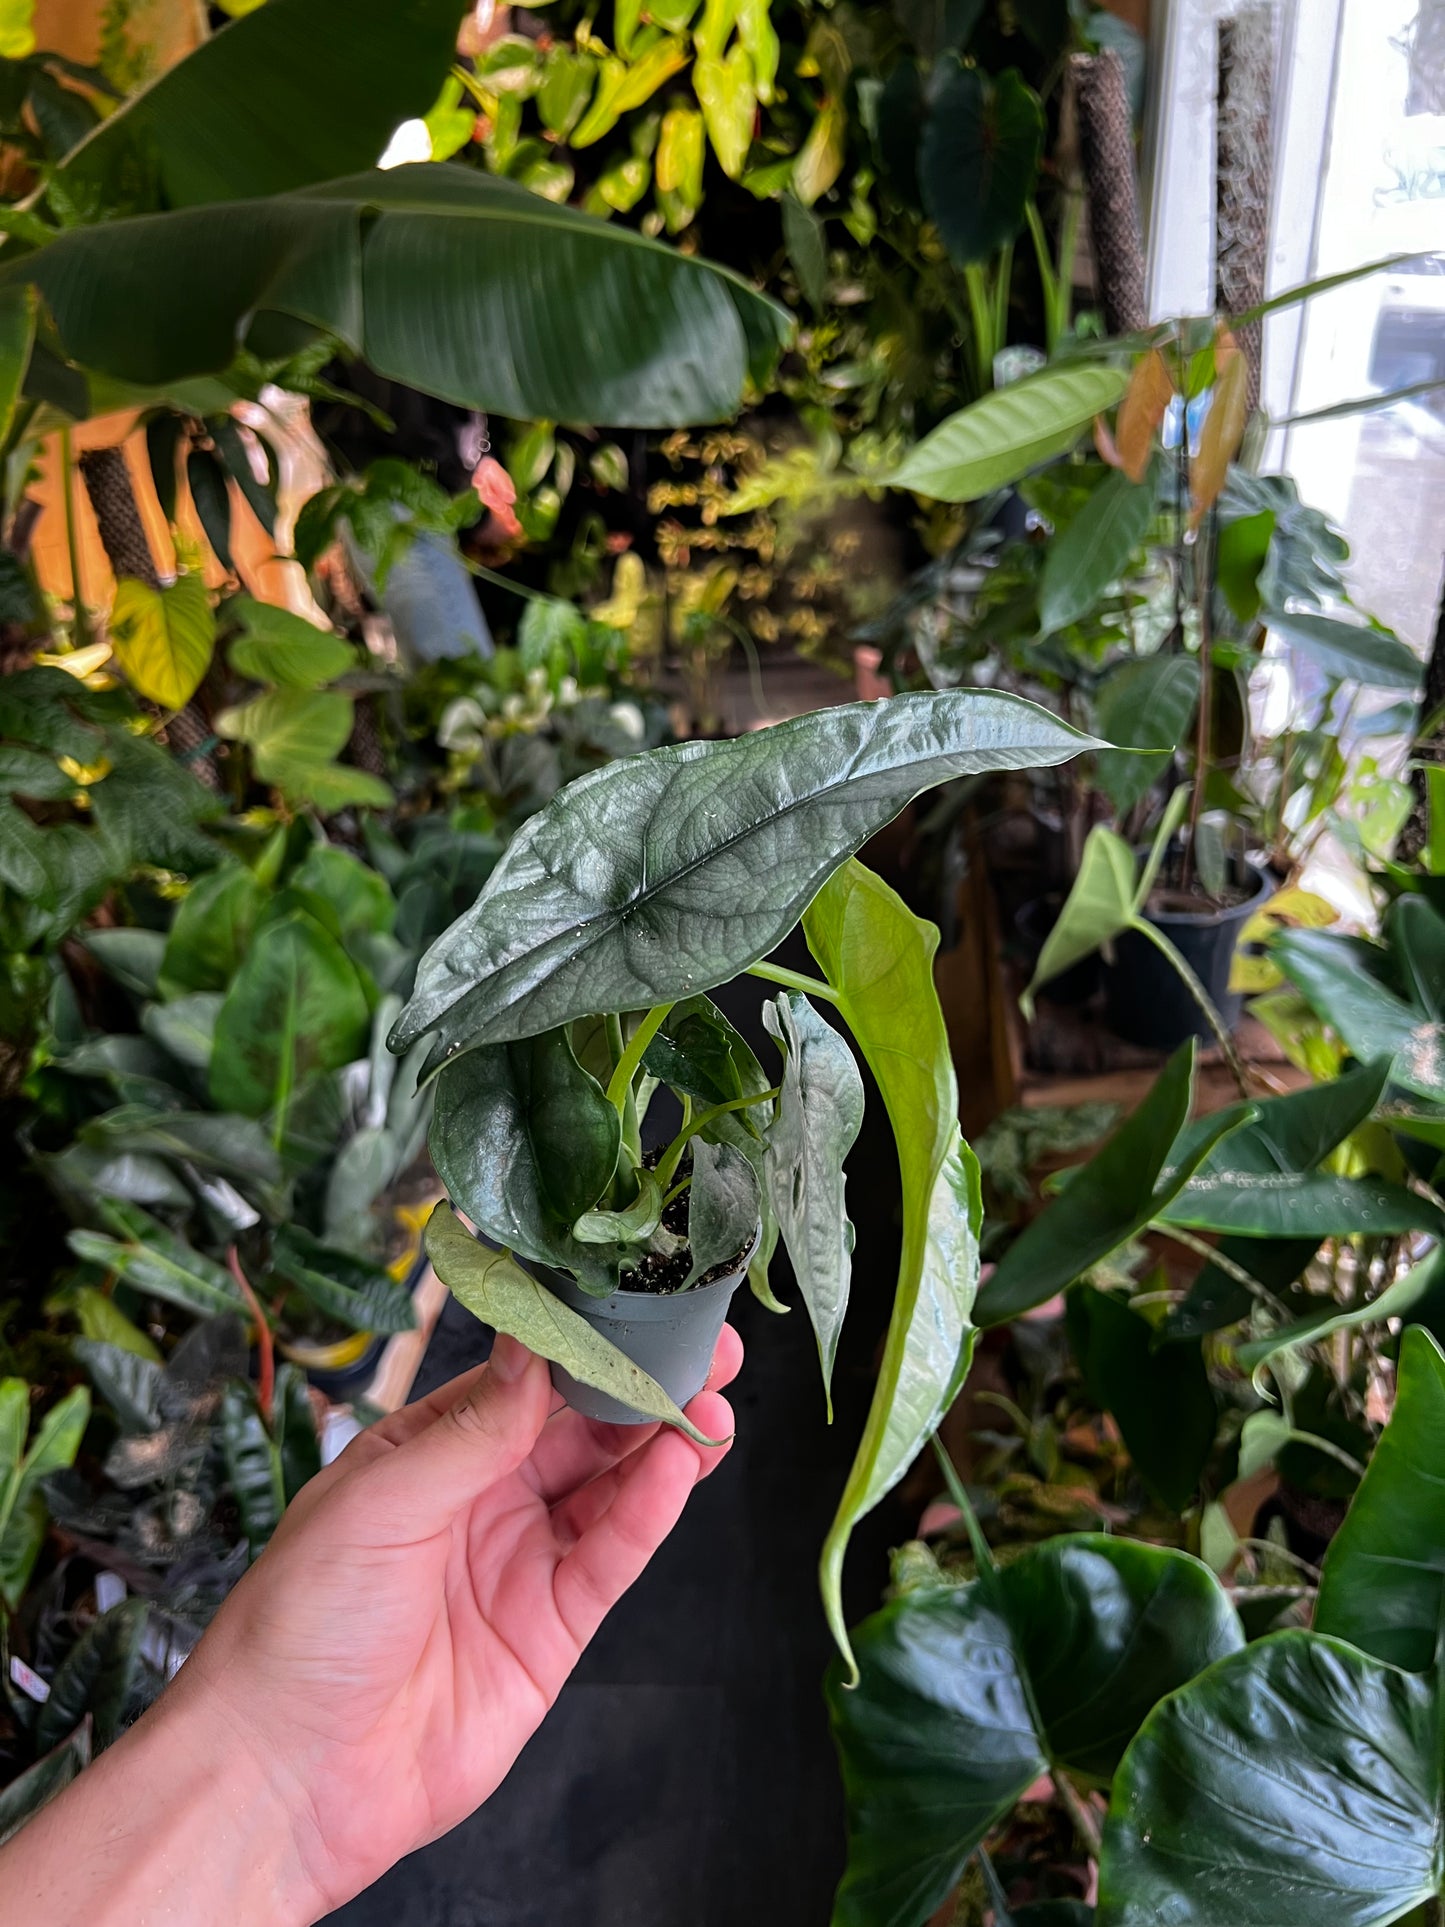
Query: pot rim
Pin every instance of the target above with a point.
(696, 1293)
(1230, 913)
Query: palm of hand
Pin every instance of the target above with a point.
(426, 1597)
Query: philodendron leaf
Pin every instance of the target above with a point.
(253, 1465)
(631, 1224)
(818, 1116)
(276, 646)
(295, 1007)
(494, 1288)
(657, 877)
(1336, 976)
(22, 1506)
(1159, 1395)
(1110, 1199)
(163, 638)
(967, 1695)
(503, 1122)
(998, 439)
(1293, 1783)
(212, 927)
(988, 132)
(1099, 907)
(878, 959)
(1383, 1585)
(1264, 1179)
(722, 1215)
(356, 1293)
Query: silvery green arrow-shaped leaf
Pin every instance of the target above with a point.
(663, 875)
(723, 1198)
(819, 1112)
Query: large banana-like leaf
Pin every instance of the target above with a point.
(659, 877)
(297, 91)
(446, 278)
(878, 959)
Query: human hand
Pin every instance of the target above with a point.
(372, 1678)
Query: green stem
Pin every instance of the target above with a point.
(794, 980)
(631, 1130)
(1002, 288)
(1225, 1263)
(80, 626)
(619, 1086)
(667, 1164)
(1085, 1819)
(677, 1191)
(981, 308)
(1200, 995)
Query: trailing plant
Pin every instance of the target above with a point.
(578, 981)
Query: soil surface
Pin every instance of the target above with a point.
(661, 1275)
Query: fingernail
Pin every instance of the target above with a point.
(510, 1358)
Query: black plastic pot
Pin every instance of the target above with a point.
(1033, 922)
(1148, 1002)
(672, 1336)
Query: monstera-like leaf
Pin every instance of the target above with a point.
(658, 877)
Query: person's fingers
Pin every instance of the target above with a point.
(647, 1494)
(477, 1440)
(573, 1450)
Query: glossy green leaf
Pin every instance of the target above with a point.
(359, 1295)
(163, 637)
(383, 61)
(805, 239)
(660, 876)
(132, 957)
(25, 1795)
(979, 158)
(17, 334)
(1098, 908)
(100, 1675)
(185, 1028)
(1148, 703)
(878, 958)
(818, 1116)
(723, 1203)
(628, 1225)
(1291, 1784)
(295, 1008)
(1263, 1181)
(438, 275)
(360, 898)
(253, 1465)
(1350, 651)
(153, 1259)
(1094, 551)
(724, 89)
(220, 1141)
(211, 929)
(996, 441)
(211, 498)
(93, 1172)
(129, 1385)
(1383, 1585)
(525, 1141)
(276, 646)
(1336, 978)
(1160, 1397)
(260, 496)
(497, 1290)
(1419, 1293)
(53, 1447)
(699, 1054)
(967, 1695)
(101, 1319)
(289, 728)
(1108, 1200)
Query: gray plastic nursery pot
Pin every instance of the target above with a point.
(672, 1336)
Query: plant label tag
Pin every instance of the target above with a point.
(29, 1682)
(110, 1589)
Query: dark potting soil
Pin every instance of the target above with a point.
(659, 1274)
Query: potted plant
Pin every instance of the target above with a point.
(576, 985)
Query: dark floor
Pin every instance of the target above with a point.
(685, 1777)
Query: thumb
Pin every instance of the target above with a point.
(485, 1436)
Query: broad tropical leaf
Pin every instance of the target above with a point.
(356, 1293)
(1351, 651)
(979, 158)
(997, 440)
(966, 1695)
(452, 280)
(1099, 907)
(878, 959)
(723, 1203)
(1094, 551)
(496, 1289)
(1148, 703)
(1159, 1394)
(658, 877)
(156, 1260)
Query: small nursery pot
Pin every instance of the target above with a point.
(671, 1336)
(1148, 1004)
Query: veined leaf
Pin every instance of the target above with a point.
(276, 646)
(634, 1222)
(998, 439)
(1111, 1198)
(1351, 651)
(496, 1289)
(723, 1206)
(98, 1676)
(357, 1294)
(163, 638)
(418, 270)
(1147, 702)
(290, 729)
(658, 877)
(878, 958)
(1099, 907)
(818, 1116)
(211, 929)
(968, 1694)
(155, 1260)
(979, 159)
(1335, 977)
(1094, 551)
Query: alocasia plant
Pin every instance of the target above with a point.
(576, 985)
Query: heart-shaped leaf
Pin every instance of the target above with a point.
(163, 638)
(979, 158)
(966, 1695)
(658, 877)
(276, 646)
(497, 1290)
(722, 1214)
(1148, 703)
(1159, 1394)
